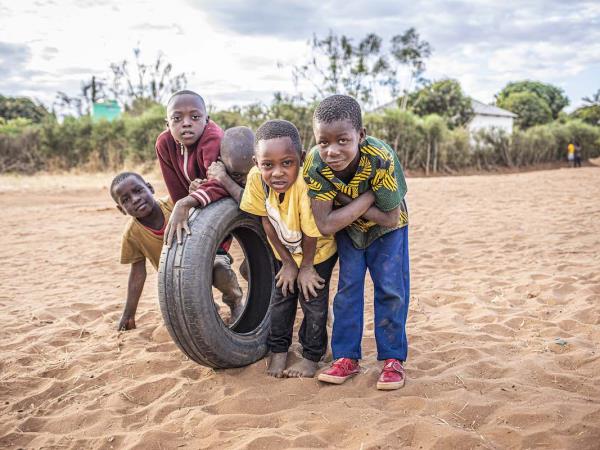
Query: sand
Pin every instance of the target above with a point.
(504, 331)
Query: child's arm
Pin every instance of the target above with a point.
(309, 280)
(137, 277)
(286, 277)
(217, 171)
(384, 218)
(330, 221)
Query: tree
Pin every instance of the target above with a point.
(590, 112)
(336, 66)
(594, 100)
(139, 80)
(21, 107)
(553, 96)
(132, 84)
(444, 98)
(531, 109)
(410, 51)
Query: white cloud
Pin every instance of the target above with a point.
(231, 50)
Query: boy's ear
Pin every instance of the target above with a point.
(302, 156)
(363, 134)
(150, 187)
(167, 123)
(122, 210)
(255, 161)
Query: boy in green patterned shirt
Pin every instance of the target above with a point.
(357, 191)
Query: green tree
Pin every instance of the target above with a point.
(553, 96)
(531, 109)
(444, 98)
(21, 107)
(590, 112)
(410, 51)
(337, 66)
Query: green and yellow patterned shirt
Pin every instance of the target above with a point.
(378, 170)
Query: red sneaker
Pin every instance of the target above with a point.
(341, 369)
(392, 375)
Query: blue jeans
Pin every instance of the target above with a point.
(388, 263)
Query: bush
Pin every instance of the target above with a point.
(422, 143)
(141, 133)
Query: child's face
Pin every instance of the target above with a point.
(237, 168)
(338, 142)
(134, 197)
(278, 162)
(238, 164)
(186, 118)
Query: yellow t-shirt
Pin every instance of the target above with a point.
(139, 242)
(571, 149)
(290, 218)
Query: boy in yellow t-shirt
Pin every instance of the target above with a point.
(143, 240)
(143, 235)
(276, 193)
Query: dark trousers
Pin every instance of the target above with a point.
(313, 331)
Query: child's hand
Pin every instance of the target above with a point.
(178, 223)
(286, 277)
(196, 184)
(127, 323)
(217, 171)
(309, 282)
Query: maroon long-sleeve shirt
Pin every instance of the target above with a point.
(180, 165)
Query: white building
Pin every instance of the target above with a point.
(484, 117)
(489, 116)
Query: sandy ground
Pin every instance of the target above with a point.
(504, 331)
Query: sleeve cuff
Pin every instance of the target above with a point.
(202, 197)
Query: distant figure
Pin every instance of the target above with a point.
(571, 154)
(577, 160)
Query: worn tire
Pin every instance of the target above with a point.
(185, 289)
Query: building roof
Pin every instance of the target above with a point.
(481, 109)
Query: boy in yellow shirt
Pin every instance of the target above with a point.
(143, 235)
(276, 193)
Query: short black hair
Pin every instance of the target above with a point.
(239, 141)
(339, 107)
(119, 179)
(186, 92)
(273, 129)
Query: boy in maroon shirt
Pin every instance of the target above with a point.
(185, 151)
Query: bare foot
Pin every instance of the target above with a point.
(277, 364)
(303, 369)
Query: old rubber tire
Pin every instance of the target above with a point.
(185, 289)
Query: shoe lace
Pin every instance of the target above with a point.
(393, 364)
(344, 363)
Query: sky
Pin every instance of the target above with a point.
(236, 52)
